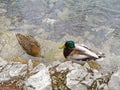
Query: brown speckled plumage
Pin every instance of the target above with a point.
(29, 44)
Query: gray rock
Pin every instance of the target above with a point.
(28, 88)
(40, 80)
(38, 68)
(30, 65)
(68, 65)
(74, 78)
(78, 87)
(82, 77)
(17, 69)
(2, 63)
(11, 70)
(63, 76)
(77, 77)
(55, 63)
(114, 83)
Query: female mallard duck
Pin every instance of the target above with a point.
(29, 44)
(79, 53)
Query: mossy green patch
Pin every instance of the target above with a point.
(94, 65)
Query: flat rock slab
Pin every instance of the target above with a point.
(40, 80)
(11, 70)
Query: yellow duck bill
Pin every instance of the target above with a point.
(62, 47)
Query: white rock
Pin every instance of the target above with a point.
(74, 77)
(3, 63)
(78, 87)
(17, 69)
(38, 68)
(28, 88)
(88, 80)
(114, 83)
(12, 70)
(53, 64)
(68, 65)
(40, 81)
(4, 76)
(79, 76)
(103, 87)
(86, 65)
(30, 65)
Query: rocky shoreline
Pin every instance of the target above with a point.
(55, 76)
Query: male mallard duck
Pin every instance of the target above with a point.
(29, 44)
(79, 53)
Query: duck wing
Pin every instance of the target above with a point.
(33, 40)
(80, 50)
(24, 42)
(28, 43)
(99, 54)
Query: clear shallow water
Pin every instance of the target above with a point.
(92, 22)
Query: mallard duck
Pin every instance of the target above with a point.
(76, 53)
(29, 44)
